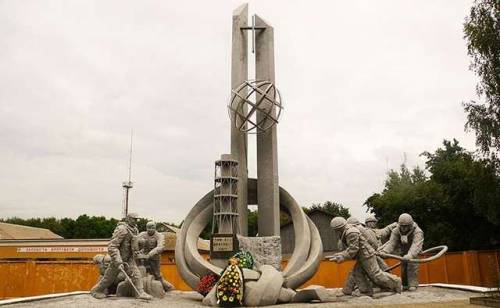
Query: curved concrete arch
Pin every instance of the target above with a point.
(301, 230)
(311, 265)
(187, 275)
(195, 261)
(301, 266)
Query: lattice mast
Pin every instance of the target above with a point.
(127, 185)
(225, 219)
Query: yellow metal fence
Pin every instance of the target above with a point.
(34, 277)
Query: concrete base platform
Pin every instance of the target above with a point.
(423, 297)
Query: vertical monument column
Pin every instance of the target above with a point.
(267, 152)
(239, 74)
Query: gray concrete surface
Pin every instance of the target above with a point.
(267, 142)
(239, 74)
(423, 297)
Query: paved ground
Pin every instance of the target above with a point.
(424, 297)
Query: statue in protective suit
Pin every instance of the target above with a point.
(358, 247)
(151, 245)
(373, 241)
(383, 234)
(120, 249)
(102, 262)
(406, 240)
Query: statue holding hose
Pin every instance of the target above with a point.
(407, 240)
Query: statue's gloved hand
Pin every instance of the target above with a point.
(150, 255)
(338, 258)
(406, 257)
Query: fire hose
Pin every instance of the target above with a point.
(442, 249)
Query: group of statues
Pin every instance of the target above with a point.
(366, 244)
(132, 266)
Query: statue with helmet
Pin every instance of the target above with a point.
(121, 252)
(383, 234)
(407, 240)
(150, 246)
(359, 246)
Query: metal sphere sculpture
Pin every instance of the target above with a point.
(254, 96)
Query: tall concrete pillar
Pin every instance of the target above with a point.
(239, 74)
(267, 152)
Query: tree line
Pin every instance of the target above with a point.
(83, 227)
(93, 227)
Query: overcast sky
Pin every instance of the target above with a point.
(363, 82)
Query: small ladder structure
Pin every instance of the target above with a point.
(225, 196)
(225, 223)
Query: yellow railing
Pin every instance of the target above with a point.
(35, 277)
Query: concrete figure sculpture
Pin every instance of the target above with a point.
(360, 248)
(372, 239)
(150, 246)
(353, 221)
(407, 239)
(255, 107)
(102, 262)
(120, 249)
(371, 222)
(383, 234)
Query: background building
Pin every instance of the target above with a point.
(19, 232)
(322, 221)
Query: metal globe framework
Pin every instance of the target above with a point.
(242, 107)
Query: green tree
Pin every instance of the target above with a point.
(482, 32)
(334, 208)
(456, 205)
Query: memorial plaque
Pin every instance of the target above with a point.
(223, 245)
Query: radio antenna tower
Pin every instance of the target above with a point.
(127, 185)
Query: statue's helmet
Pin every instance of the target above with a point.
(151, 225)
(133, 215)
(98, 259)
(405, 219)
(338, 223)
(353, 221)
(371, 218)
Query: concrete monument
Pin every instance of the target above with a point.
(254, 107)
(120, 249)
(150, 246)
(360, 247)
(382, 234)
(407, 239)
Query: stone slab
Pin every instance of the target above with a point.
(265, 250)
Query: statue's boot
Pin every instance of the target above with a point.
(98, 291)
(399, 285)
(167, 286)
(144, 295)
